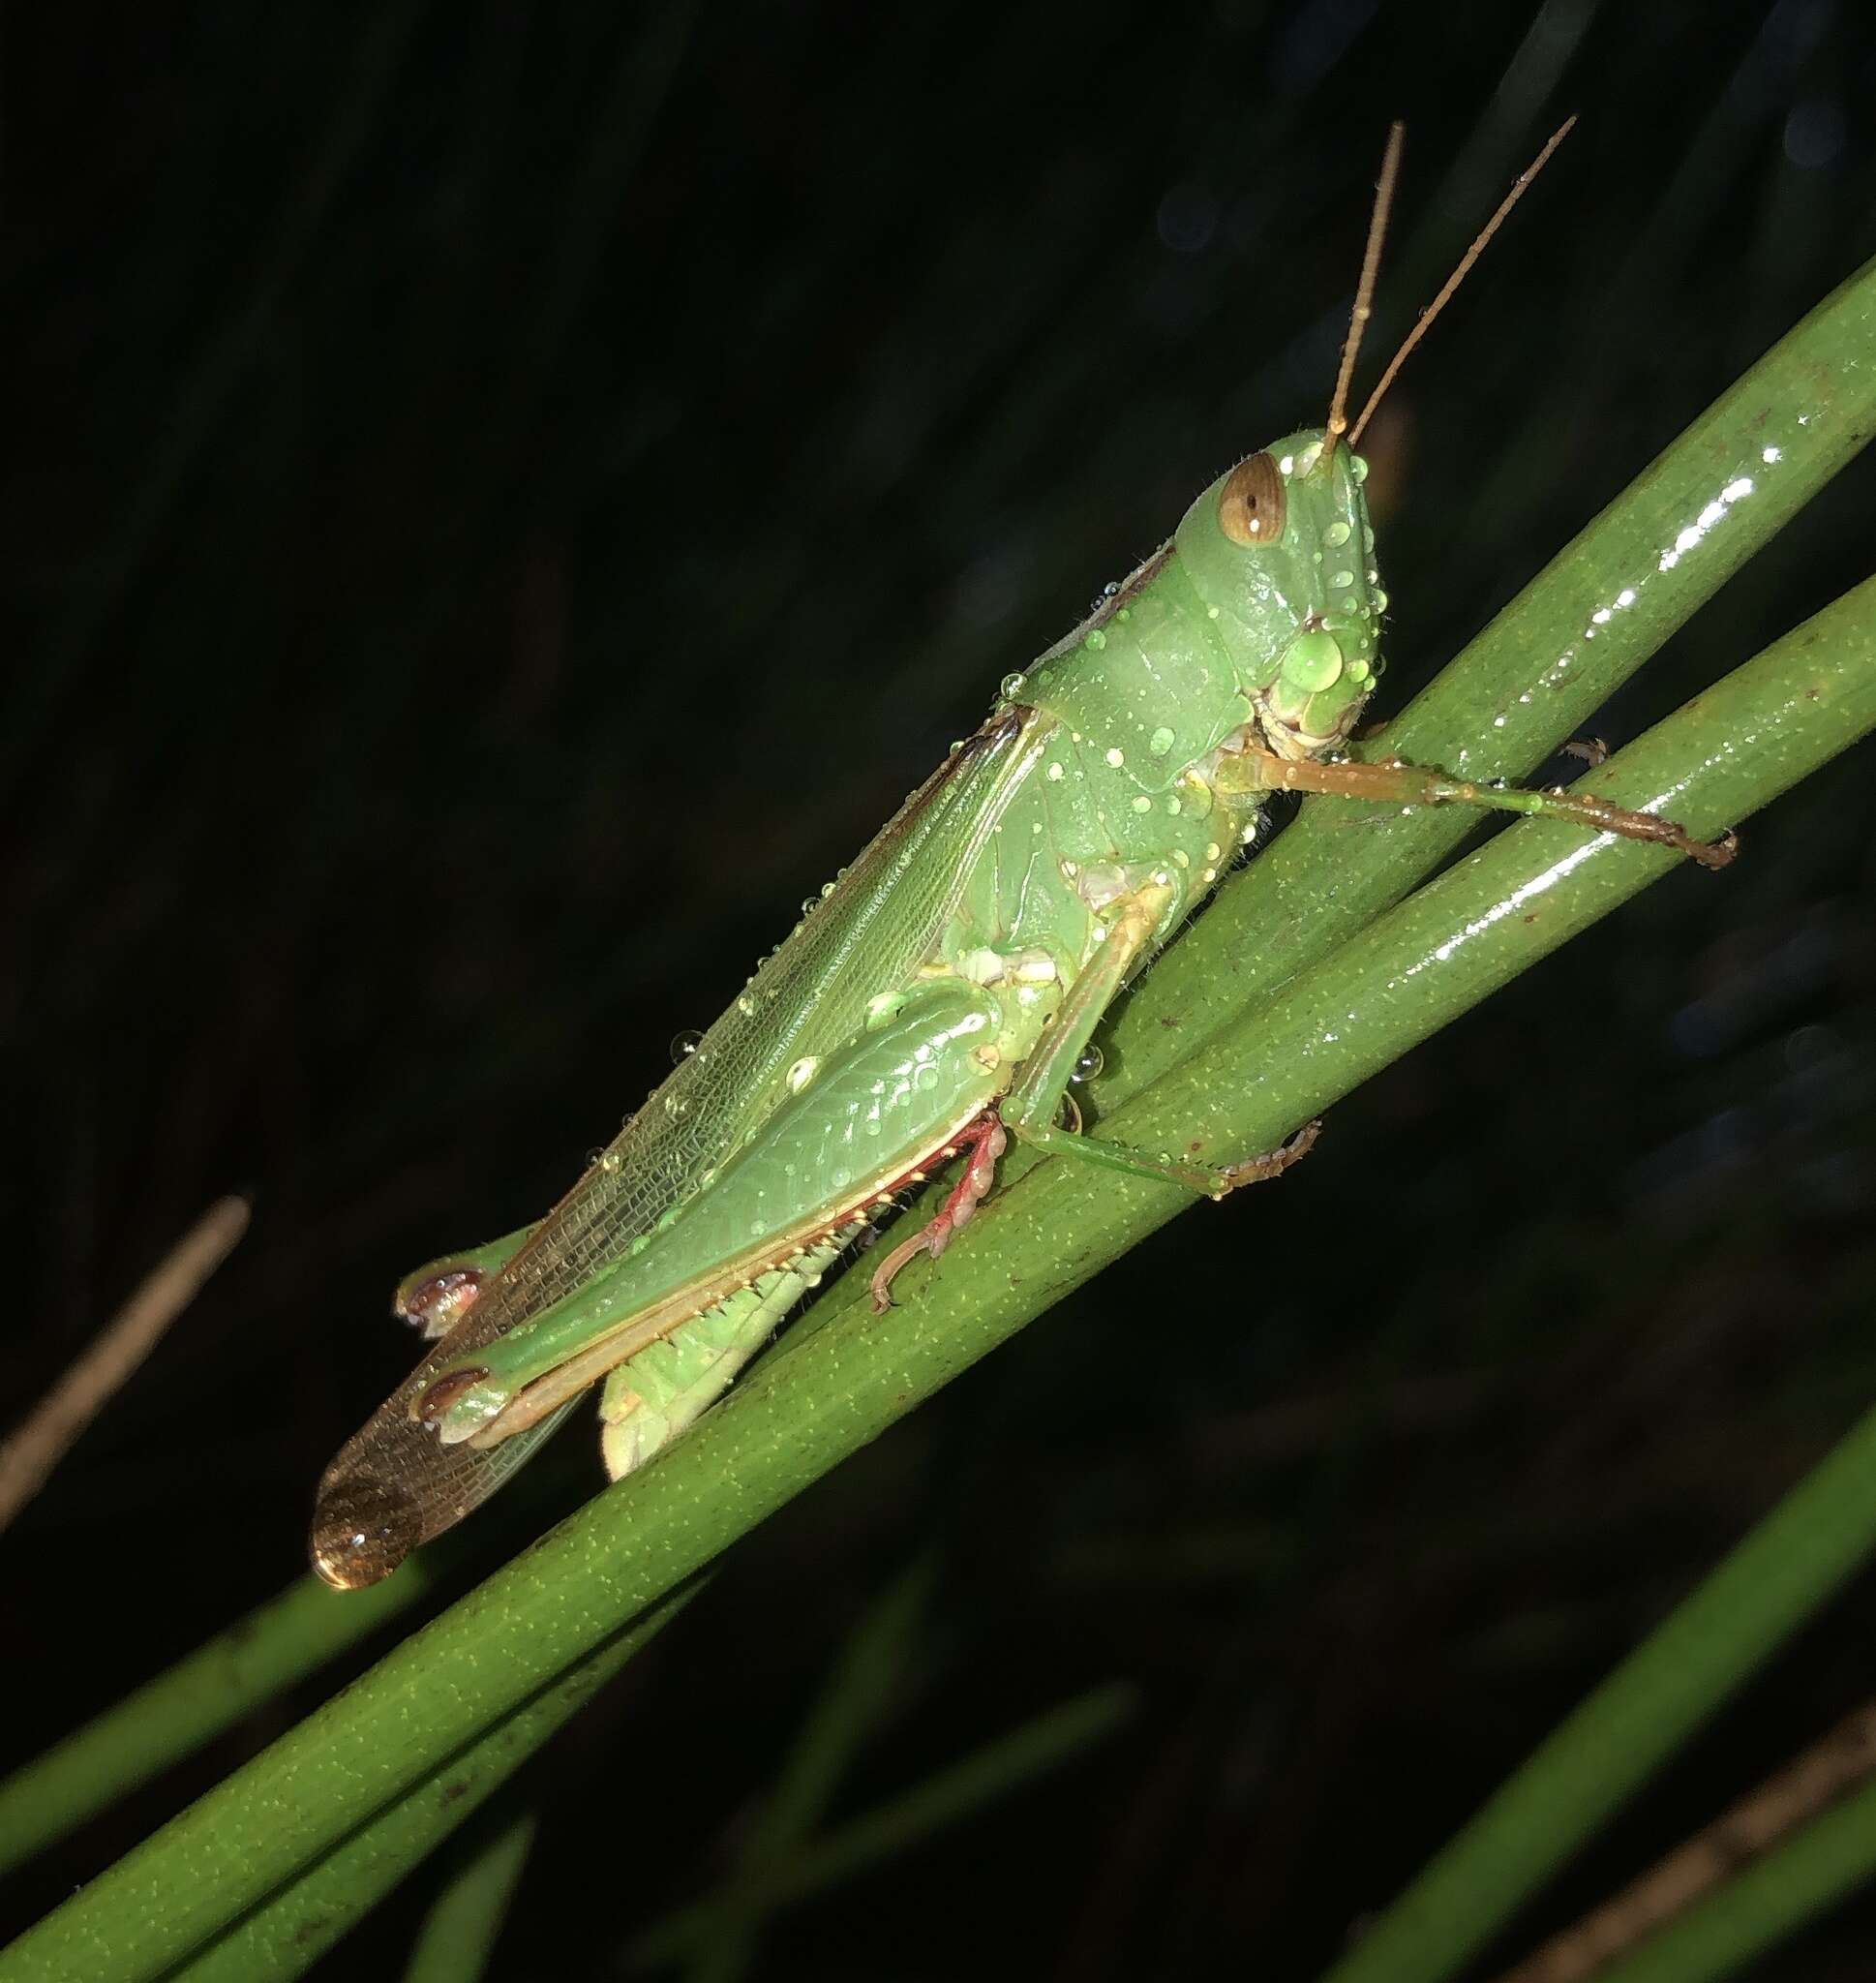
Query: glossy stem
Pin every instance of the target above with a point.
(828, 1392)
(275, 1646)
(1528, 682)
(1817, 1537)
(293, 1926)
(1534, 678)
(262, 1655)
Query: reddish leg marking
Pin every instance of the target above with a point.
(986, 1140)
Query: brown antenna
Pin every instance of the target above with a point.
(1371, 261)
(1453, 281)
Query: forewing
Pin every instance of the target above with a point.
(394, 1484)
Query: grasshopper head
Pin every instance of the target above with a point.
(1282, 552)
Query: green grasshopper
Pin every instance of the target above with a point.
(938, 1000)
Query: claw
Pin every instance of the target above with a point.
(986, 1141)
(1272, 1163)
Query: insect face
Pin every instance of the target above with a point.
(1281, 551)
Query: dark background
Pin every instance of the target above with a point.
(501, 501)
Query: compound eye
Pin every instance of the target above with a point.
(1252, 502)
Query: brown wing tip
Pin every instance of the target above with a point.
(362, 1530)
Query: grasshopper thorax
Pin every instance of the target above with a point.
(1282, 554)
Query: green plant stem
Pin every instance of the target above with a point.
(275, 1644)
(1522, 686)
(1533, 677)
(293, 1926)
(459, 1934)
(1819, 1865)
(1801, 1553)
(854, 1696)
(1413, 970)
(1766, 726)
(894, 1827)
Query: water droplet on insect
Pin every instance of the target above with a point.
(1089, 1063)
(1358, 468)
(1342, 578)
(1055, 771)
(746, 1006)
(1338, 532)
(1116, 757)
(685, 1044)
(609, 1160)
(803, 1072)
(1111, 590)
(1097, 640)
(1142, 803)
(1011, 687)
(1160, 742)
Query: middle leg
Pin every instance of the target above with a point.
(1031, 1108)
